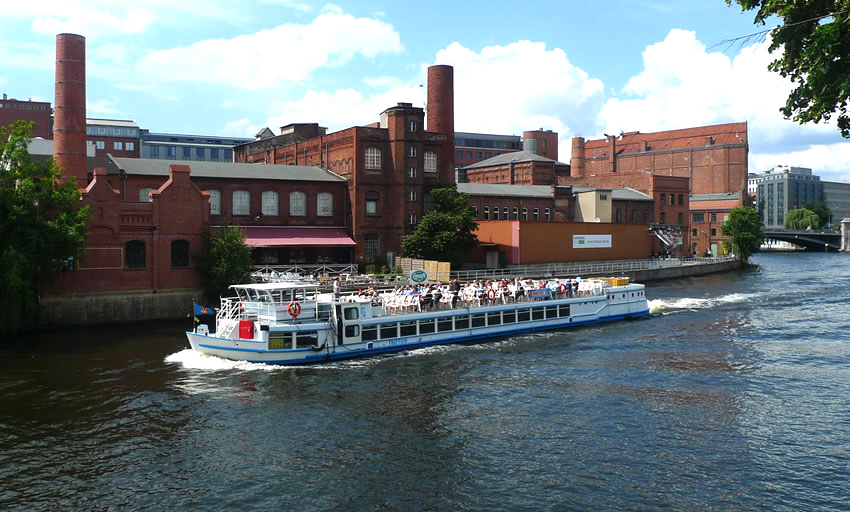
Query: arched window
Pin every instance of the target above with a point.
(324, 204)
(134, 254)
(144, 194)
(373, 158)
(371, 247)
(270, 203)
(297, 204)
(430, 161)
(215, 202)
(241, 202)
(180, 253)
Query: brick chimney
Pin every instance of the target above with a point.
(612, 153)
(577, 157)
(441, 116)
(69, 114)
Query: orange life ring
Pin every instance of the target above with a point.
(563, 288)
(491, 294)
(294, 309)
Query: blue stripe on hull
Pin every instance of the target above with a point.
(343, 353)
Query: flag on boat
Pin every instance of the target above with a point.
(202, 310)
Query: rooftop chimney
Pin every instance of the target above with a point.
(69, 117)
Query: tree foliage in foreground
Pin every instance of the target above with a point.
(42, 226)
(813, 43)
(744, 229)
(224, 260)
(801, 219)
(445, 232)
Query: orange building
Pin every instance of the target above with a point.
(708, 213)
(524, 243)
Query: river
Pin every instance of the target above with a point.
(732, 396)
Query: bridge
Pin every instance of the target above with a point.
(826, 241)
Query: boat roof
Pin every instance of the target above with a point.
(283, 285)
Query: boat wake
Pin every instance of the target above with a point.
(194, 360)
(667, 306)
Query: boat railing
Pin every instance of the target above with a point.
(229, 314)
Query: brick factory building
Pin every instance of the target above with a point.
(389, 165)
(39, 112)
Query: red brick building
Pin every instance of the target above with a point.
(39, 112)
(389, 166)
(116, 137)
(708, 213)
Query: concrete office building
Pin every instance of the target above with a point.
(199, 148)
(782, 189)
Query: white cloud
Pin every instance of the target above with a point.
(91, 22)
(382, 81)
(240, 128)
(343, 108)
(682, 85)
(103, 107)
(521, 86)
(274, 57)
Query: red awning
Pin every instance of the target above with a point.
(284, 237)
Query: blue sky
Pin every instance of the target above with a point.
(231, 68)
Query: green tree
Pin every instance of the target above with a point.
(802, 218)
(445, 232)
(743, 227)
(224, 260)
(824, 214)
(813, 42)
(42, 226)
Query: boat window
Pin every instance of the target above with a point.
(426, 326)
(325, 311)
(264, 296)
(299, 294)
(462, 322)
(444, 324)
(478, 320)
(494, 318)
(551, 311)
(351, 313)
(280, 341)
(276, 296)
(564, 310)
(285, 296)
(508, 317)
(522, 315)
(370, 333)
(307, 339)
(408, 328)
(352, 331)
(537, 314)
(389, 331)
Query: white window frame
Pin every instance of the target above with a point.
(99, 144)
(270, 203)
(371, 207)
(547, 214)
(536, 214)
(143, 194)
(411, 152)
(430, 161)
(412, 126)
(486, 213)
(411, 219)
(373, 158)
(215, 202)
(129, 146)
(117, 146)
(297, 204)
(412, 172)
(241, 202)
(411, 195)
(495, 213)
(324, 204)
(525, 214)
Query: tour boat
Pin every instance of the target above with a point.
(292, 323)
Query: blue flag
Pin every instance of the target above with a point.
(203, 310)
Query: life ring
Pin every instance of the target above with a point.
(491, 294)
(294, 309)
(563, 288)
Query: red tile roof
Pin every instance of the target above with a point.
(630, 142)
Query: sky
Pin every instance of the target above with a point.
(216, 67)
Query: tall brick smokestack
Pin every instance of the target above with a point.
(69, 113)
(441, 116)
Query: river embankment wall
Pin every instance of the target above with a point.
(110, 308)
